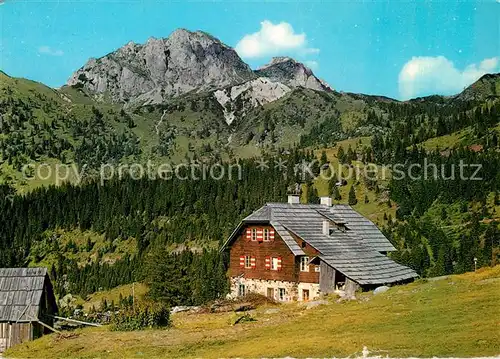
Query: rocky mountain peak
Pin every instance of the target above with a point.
(279, 59)
(161, 68)
(184, 62)
(292, 73)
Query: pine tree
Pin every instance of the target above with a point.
(336, 194)
(312, 195)
(444, 215)
(130, 122)
(341, 155)
(352, 196)
(366, 199)
(89, 245)
(351, 155)
(323, 159)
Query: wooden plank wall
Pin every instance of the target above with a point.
(14, 333)
(326, 278)
(311, 276)
(277, 248)
(4, 336)
(261, 250)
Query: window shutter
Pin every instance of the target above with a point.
(268, 263)
(279, 264)
(271, 234)
(253, 262)
(249, 234)
(242, 261)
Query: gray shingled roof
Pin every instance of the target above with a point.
(262, 214)
(362, 226)
(365, 228)
(355, 260)
(355, 252)
(287, 238)
(21, 292)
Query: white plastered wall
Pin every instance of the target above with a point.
(260, 286)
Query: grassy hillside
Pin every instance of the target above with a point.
(377, 205)
(73, 128)
(82, 246)
(138, 290)
(456, 139)
(453, 316)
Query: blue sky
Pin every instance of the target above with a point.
(399, 49)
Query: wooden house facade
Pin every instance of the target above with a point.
(292, 251)
(27, 303)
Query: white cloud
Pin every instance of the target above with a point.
(273, 39)
(47, 50)
(438, 75)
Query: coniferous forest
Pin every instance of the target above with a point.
(440, 225)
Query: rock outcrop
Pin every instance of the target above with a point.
(163, 68)
(239, 99)
(292, 73)
(190, 62)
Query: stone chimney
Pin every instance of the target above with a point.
(326, 227)
(326, 201)
(294, 192)
(293, 199)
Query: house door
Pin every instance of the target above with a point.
(270, 293)
(305, 295)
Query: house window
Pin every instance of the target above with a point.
(304, 264)
(281, 294)
(248, 262)
(274, 263)
(241, 290)
(254, 234)
(266, 234)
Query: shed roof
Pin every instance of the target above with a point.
(21, 292)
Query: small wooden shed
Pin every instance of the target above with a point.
(27, 303)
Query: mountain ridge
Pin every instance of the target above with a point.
(196, 62)
(247, 117)
(185, 61)
(168, 67)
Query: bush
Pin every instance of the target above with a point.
(142, 316)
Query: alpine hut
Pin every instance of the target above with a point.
(27, 302)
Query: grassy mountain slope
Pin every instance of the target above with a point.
(68, 125)
(487, 87)
(40, 124)
(464, 137)
(43, 125)
(82, 246)
(418, 320)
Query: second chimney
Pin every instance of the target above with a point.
(293, 199)
(326, 201)
(326, 227)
